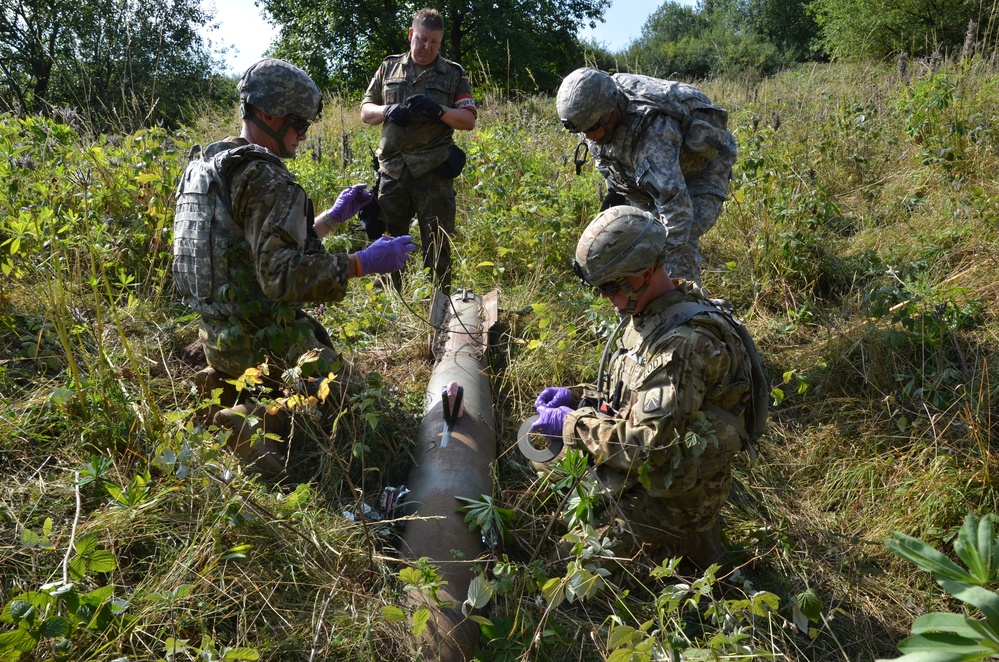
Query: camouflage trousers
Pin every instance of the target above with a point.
(431, 199)
(664, 526)
(683, 255)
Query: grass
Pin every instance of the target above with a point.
(859, 245)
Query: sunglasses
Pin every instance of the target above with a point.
(572, 127)
(300, 124)
(610, 288)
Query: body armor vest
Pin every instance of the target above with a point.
(207, 242)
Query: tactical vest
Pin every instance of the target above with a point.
(758, 412)
(206, 239)
(734, 334)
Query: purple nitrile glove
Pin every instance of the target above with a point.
(349, 202)
(551, 421)
(555, 396)
(385, 255)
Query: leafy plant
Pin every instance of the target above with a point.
(949, 637)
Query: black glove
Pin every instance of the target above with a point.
(421, 104)
(398, 114)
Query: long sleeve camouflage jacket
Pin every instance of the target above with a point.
(676, 402)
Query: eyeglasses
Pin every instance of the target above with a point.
(300, 124)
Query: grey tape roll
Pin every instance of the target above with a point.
(526, 439)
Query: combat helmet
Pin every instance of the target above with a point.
(621, 241)
(279, 88)
(584, 97)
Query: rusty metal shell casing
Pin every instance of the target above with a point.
(453, 459)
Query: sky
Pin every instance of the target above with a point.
(243, 27)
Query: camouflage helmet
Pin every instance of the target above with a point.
(620, 241)
(585, 96)
(280, 88)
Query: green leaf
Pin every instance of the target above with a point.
(480, 592)
(102, 561)
(986, 601)
(240, 654)
(85, 544)
(77, 568)
(420, 620)
(55, 626)
(620, 635)
(61, 396)
(764, 603)
(967, 546)
(19, 641)
(411, 576)
(810, 604)
(554, 591)
(944, 622)
(481, 620)
(30, 539)
(21, 611)
(926, 558)
(943, 643)
(393, 614)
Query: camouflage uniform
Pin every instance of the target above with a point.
(275, 262)
(408, 156)
(664, 446)
(679, 173)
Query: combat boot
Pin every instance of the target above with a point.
(209, 379)
(251, 427)
(705, 548)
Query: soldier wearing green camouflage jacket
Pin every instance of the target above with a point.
(670, 414)
(662, 146)
(248, 254)
(420, 98)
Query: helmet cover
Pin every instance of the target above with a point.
(280, 88)
(585, 96)
(620, 241)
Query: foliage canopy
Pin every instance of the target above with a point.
(119, 63)
(341, 43)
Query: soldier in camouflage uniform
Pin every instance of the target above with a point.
(670, 412)
(247, 251)
(420, 98)
(662, 146)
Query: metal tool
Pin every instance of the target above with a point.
(450, 413)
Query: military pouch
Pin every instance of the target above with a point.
(453, 164)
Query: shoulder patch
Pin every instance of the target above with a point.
(653, 401)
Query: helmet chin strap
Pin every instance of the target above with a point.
(277, 136)
(633, 296)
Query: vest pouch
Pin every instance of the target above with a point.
(453, 164)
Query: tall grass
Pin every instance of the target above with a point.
(859, 244)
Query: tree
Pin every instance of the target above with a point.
(714, 38)
(522, 44)
(122, 62)
(855, 29)
(787, 24)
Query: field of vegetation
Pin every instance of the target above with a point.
(859, 245)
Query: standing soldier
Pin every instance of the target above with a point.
(675, 402)
(247, 251)
(420, 98)
(662, 146)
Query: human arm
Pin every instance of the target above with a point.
(348, 203)
(272, 210)
(657, 160)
